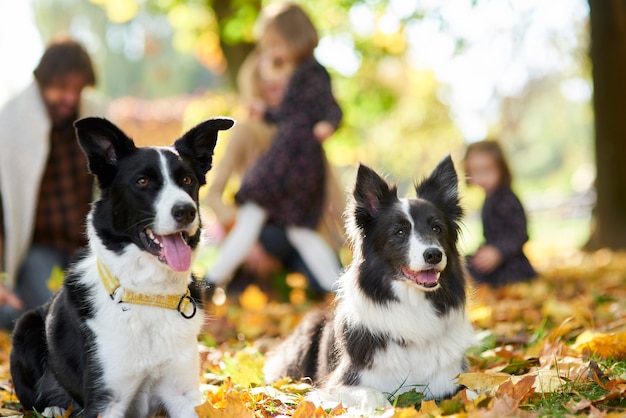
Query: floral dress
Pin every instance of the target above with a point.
(288, 180)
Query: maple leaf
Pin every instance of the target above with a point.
(518, 392)
(307, 409)
(235, 408)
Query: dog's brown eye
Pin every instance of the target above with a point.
(187, 180)
(400, 232)
(436, 229)
(143, 181)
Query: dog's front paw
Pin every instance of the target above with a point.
(355, 398)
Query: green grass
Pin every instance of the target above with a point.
(554, 404)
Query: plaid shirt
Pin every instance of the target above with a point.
(64, 195)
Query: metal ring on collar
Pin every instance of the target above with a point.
(193, 303)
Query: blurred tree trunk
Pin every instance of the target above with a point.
(608, 56)
(234, 53)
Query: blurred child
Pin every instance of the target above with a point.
(249, 139)
(287, 184)
(500, 260)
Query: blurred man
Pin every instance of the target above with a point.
(45, 189)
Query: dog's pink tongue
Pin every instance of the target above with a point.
(176, 252)
(422, 276)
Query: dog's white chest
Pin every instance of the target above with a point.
(424, 351)
(428, 368)
(143, 337)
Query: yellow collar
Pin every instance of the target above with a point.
(175, 302)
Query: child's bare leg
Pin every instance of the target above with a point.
(317, 254)
(238, 243)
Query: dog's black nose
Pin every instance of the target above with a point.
(184, 213)
(432, 255)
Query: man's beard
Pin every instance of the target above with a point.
(61, 115)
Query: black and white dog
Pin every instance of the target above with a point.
(399, 322)
(120, 337)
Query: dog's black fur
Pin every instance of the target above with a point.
(399, 320)
(62, 351)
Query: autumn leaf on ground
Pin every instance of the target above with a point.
(547, 381)
(520, 366)
(526, 366)
(575, 406)
(451, 406)
(410, 413)
(611, 346)
(245, 368)
(307, 409)
(235, 408)
(520, 391)
(429, 407)
(253, 299)
(482, 382)
(409, 398)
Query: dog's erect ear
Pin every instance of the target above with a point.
(371, 191)
(198, 143)
(442, 188)
(104, 144)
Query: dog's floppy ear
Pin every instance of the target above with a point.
(442, 188)
(198, 143)
(104, 144)
(371, 192)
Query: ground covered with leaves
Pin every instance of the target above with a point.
(553, 347)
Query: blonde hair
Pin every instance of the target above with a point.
(293, 24)
(248, 78)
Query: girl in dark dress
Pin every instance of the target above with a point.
(500, 260)
(286, 184)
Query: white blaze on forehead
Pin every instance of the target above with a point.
(169, 196)
(417, 245)
(171, 149)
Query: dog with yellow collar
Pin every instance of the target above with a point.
(120, 337)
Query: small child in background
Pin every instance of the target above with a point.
(287, 184)
(500, 260)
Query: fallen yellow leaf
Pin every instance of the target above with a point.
(407, 413)
(482, 381)
(604, 345)
(253, 299)
(245, 368)
(235, 408)
(547, 380)
(307, 409)
(429, 407)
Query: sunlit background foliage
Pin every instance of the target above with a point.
(417, 79)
